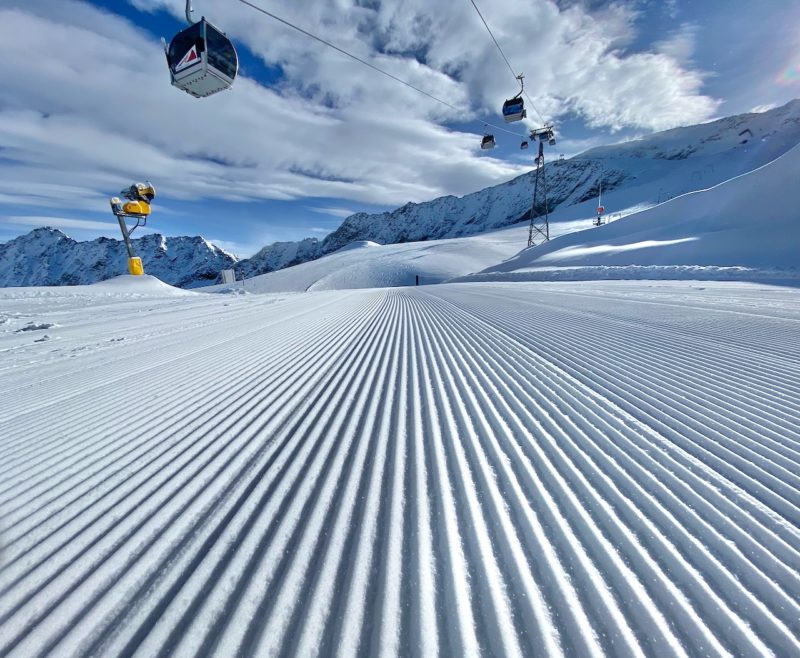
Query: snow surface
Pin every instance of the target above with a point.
(365, 264)
(506, 469)
(746, 227)
(498, 468)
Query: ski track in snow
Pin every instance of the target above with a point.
(496, 469)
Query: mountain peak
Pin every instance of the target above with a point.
(44, 232)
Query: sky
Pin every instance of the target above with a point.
(307, 136)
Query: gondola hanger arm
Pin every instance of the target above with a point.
(189, 12)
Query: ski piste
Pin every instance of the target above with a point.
(583, 468)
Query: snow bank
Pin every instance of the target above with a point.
(138, 285)
(358, 244)
(124, 285)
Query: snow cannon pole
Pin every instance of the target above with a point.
(126, 236)
(135, 266)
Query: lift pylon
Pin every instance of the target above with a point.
(539, 230)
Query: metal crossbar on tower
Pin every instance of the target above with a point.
(540, 225)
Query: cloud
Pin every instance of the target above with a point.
(679, 46)
(333, 212)
(580, 65)
(97, 112)
(60, 222)
(238, 249)
(101, 113)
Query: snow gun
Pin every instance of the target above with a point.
(138, 197)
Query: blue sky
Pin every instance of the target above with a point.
(307, 136)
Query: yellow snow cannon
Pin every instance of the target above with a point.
(139, 197)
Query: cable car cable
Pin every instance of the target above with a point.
(510, 68)
(364, 62)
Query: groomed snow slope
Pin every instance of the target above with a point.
(506, 469)
(752, 221)
(367, 264)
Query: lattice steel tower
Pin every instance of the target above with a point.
(539, 230)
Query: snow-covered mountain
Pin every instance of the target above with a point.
(280, 255)
(634, 176)
(48, 257)
(649, 170)
(745, 227)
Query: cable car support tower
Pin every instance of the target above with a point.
(539, 229)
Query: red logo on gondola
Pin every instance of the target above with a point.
(188, 59)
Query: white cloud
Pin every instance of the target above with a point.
(87, 107)
(238, 249)
(679, 46)
(59, 222)
(333, 212)
(84, 229)
(571, 55)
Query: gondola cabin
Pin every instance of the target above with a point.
(524, 144)
(487, 142)
(202, 60)
(514, 110)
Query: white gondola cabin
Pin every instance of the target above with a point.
(202, 60)
(487, 142)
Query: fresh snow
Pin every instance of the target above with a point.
(496, 468)
(365, 264)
